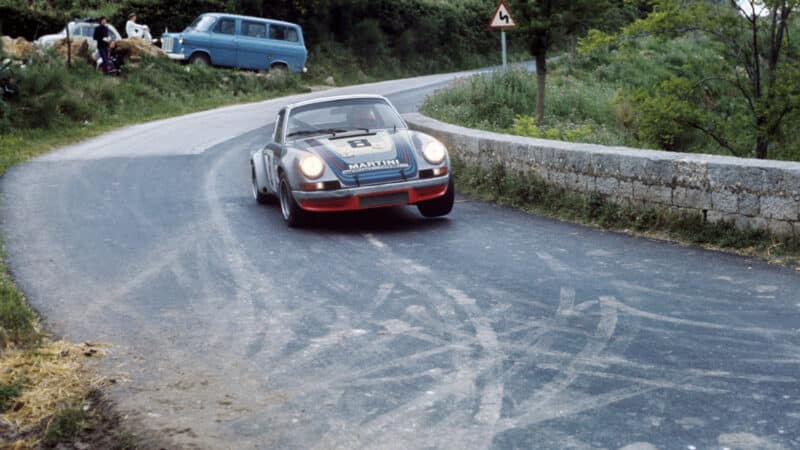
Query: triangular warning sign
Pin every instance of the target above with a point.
(502, 17)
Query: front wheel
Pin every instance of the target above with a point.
(293, 214)
(261, 197)
(200, 59)
(440, 206)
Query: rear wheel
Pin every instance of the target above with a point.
(279, 69)
(200, 59)
(440, 206)
(293, 214)
(261, 197)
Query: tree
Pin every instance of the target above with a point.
(751, 38)
(547, 21)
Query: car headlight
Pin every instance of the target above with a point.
(180, 41)
(312, 166)
(434, 152)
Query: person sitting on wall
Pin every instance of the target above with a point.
(134, 30)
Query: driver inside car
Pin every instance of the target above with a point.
(365, 117)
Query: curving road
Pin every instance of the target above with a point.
(490, 328)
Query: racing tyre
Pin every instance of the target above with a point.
(261, 198)
(200, 59)
(293, 214)
(440, 206)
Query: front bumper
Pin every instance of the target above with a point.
(377, 196)
(177, 56)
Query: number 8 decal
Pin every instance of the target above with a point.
(359, 143)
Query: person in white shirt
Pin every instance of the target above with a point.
(133, 29)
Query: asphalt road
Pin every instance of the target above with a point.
(490, 328)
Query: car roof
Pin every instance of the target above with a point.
(338, 98)
(238, 16)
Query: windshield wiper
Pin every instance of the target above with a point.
(332, 131)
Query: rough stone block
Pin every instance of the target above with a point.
(724, 201)
(607, 186)
(780, 227)
(578, 161)
(735, 177)
(625, 189)
(605, 164)
(748, 204)
(691, 198)
(719, 216)
(690, 173)
(575, 182)
(780, 208)
(652, 194)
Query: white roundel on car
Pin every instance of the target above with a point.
(361, 145)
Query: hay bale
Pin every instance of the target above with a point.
(18, 48)
(136, 47)
(79, 48)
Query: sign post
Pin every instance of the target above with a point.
(502, 20)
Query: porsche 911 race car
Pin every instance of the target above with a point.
(350, 153)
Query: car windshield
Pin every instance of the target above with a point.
(202, 23)
(342, 116)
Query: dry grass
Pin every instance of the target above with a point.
(52, 375)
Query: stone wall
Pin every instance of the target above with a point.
(751, 193)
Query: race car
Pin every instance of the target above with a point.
(349, 153)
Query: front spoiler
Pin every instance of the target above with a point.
(349, 199)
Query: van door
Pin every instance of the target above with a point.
(252, 45)
(223, 42)
(286, 46)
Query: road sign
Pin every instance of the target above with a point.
(501, 19)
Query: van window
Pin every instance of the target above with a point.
(283, 33)
(254, 29)
(225, 26)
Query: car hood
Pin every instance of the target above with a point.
(368, 158)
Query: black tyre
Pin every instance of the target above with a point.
(440, 206)
(293, 214)
(261, 197)
(279, 69)
(200, 59)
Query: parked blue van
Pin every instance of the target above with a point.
(239, 41)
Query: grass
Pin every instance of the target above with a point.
(8, 395)
(532, 194)
(65, 425)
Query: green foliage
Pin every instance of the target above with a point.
(65, 425)
(526, 126)
(16, 319)
(8, 394)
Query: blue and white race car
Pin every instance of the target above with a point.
(350, 153)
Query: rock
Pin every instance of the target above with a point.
(18, 48)
(330, 81)
(136, 47)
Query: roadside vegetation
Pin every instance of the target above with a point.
(681, 79)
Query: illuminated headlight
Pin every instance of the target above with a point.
(434, 152)
(312, 166)
(180, 41)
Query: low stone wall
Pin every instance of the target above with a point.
(756, 194)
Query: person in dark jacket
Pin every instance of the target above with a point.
(103, 37)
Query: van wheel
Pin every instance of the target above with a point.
(200, 59)
(279, 69)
